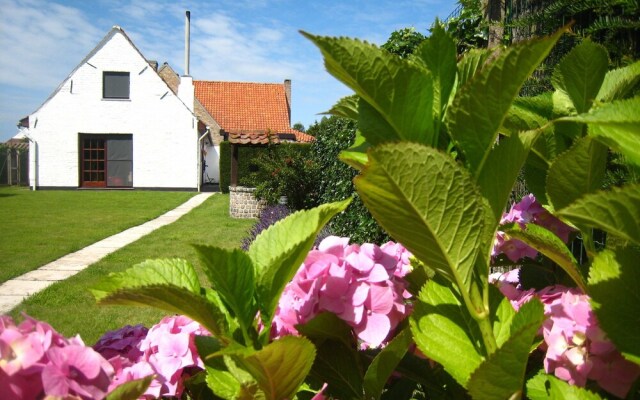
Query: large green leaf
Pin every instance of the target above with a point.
(346, 107)
(480, 106)
(130, 390)
(547, 243)
(174, 300)
(472, 62)
(170, 285)
(499, 174)
(356, 155)
(438, 53)
(337, 361)
(617, 125)
(279, 250)
(339, 366)
(327, 326)
(576, 172)
(528, 113)
(501, 375)
(616, 211)
(398, 90)
(548, 387)
(426, 201)
(384, 364)
(614, 279)
(445, 332)
(175, 272)
(280, 367)
(502, 319)
(620, 83)
(580, 74)
(231, 274)
(222, 383)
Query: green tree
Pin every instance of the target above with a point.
(403, 42)
(299, 126)
(468, 26)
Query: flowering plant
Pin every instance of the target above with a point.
(37, 361)
(440, 144)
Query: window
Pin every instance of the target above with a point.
(115, 85)
(106, 160)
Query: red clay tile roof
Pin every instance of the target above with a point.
(253, 137)
(244, 106)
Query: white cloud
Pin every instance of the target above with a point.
(225, 48)
(41, 41)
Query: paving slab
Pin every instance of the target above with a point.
(47, 275)
(62, 266)
(17, 287)
(15, 290)
(8, 302)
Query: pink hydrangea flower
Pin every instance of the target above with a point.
(170, 349)
(362, 285)
(528, 210)
(576, 348)
(36, 361)
(76, 370)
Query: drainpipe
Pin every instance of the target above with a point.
(200, 158)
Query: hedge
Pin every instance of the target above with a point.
(246, 154)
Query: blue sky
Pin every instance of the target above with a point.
(41, 41)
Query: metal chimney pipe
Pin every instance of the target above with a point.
(187, 36)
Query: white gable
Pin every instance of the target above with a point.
(163, 130)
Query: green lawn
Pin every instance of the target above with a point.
(38, 227)
(69, 307)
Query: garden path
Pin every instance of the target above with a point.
(13, 291)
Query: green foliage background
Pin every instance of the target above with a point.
(335, 180)
(285, 170)
(246, 154)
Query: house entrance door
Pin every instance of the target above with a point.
(106, 160)
(92, 162)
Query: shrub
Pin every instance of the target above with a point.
(285, 170)
(246, 163)
(335, 180)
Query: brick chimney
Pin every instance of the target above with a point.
(287, 93)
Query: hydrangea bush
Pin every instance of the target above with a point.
(440, 145)
(361, 284)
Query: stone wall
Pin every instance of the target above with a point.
(243, 204)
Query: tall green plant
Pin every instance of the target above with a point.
(443, 197)
(439, 146)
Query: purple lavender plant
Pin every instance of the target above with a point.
(269, 216)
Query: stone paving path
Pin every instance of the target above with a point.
(13, 291)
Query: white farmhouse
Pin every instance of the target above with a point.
(114, 123)
(118, 122)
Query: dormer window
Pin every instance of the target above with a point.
(115, 85)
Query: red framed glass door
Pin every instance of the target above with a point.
(93, 162)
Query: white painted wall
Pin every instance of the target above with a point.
(165, 138)
(213, 163)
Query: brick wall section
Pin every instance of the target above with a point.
(243, 204)
(164, 131)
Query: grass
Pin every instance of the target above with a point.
(38, 227)
(70, 308)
